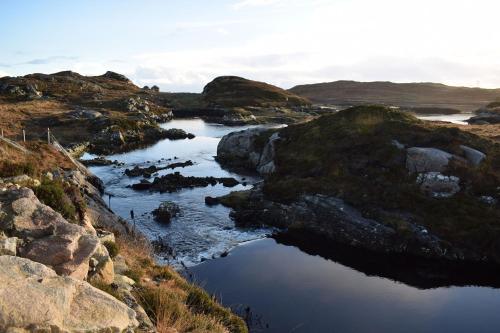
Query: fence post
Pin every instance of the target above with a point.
(24, 136)
(48, 135)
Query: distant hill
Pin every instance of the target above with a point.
(412, 95)
(233, 91)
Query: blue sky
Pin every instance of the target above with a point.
(181, 45)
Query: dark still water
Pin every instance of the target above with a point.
(288, 290)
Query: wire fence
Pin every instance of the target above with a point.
(51, 140)
(14, 145)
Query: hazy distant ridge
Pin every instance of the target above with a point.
(400, 94)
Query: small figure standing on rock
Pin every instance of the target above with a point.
(132, 214)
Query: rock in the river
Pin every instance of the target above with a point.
(149, 171)
(427, 159)
(142, 185)
(47, 237)
(98, 161)
(438, 185)
(166, 212)
(34, 298)
(173, 182)
(211, 201)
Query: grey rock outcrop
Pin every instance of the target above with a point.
(28, 91)
(46, 236)
(137, 104)
(438, 185)
(266, 164)
(97, 213)
(241, 149)
(116, 76)
(86, 114)
(340, 222)
(101, 266)
(473, 156)
(427, 159)
(35, 299)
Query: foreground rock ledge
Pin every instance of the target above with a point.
(34, 298)
(48, 237)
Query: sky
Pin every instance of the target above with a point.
(182, 45)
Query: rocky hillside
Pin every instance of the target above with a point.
(69, 264)
(411, 95)
(108, 112)
(375, 178)
(233, 91)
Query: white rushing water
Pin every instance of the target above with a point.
(201, 231)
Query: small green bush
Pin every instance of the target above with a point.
(112, 248)
(109, 289)
(51, 193)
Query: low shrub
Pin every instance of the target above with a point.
(167, 306)
(107, 288)
(51, 193)
(200, 301)
(135, 274)
(112, 248)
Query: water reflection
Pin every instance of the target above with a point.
(459, 118)
(289, 290)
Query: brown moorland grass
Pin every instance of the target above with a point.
(491, 132)
(42, 158)
(14, 116)
(169, 300)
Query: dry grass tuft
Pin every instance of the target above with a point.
(169, 300)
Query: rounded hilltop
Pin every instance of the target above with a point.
(234, 91)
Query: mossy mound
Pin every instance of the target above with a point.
(233, 91)
(354, 155)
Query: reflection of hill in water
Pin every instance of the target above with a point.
(416, 272)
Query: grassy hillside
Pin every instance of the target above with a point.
(422, 95)
(233, 91)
